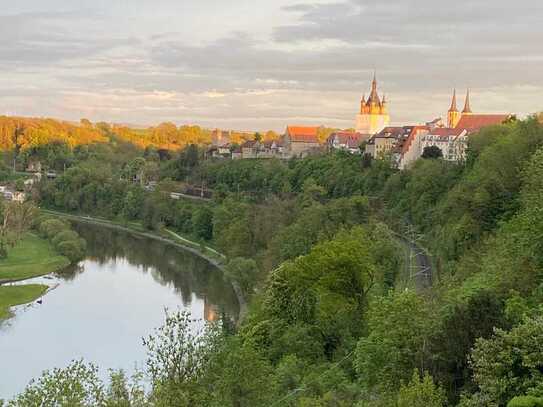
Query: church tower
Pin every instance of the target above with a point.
(373, 116)
(467, 107)
(453, 116)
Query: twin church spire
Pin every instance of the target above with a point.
(453, 116)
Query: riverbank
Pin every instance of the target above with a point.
(31, 257)
(11, 296)
(167, 236)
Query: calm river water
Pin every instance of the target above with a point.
(102, 308)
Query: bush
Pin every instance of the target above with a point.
(202, 221)
(65, 240)
(526, 401)
(63, 236)
(51, 227)
(72, 249)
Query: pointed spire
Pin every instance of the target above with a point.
(454, 107)
(467, 107)
(374, 97)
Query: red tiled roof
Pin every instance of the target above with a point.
(413, 131)
(445, 132)
(302, 134)
(475, 122)
(349, 138)
(390, 132)
(249, 144)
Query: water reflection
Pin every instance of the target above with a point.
(106, 304)
(167, 264)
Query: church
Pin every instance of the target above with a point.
(469, 121)
(373, 116)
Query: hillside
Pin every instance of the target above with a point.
(26, 133)
(335, 318)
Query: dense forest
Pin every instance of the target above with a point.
(316, 246)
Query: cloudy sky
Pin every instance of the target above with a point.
(260, 64)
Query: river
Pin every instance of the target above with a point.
(104, 306)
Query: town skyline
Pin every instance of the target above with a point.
(262, 66)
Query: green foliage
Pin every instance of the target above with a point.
(72, 249)
(76, 385)
(399, 326)
(79, 385)
(509, 363)
(51, 227)
(177, 357)
(526, 401)
(421, 392)
(461, 324)
(202, 223)
(256, 177)
(319, 222)
(326, 288)
(244, 272)
(330, 327)
(239, 375)
(66, 241)
(432, 152)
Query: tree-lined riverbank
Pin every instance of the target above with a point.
(31, 257)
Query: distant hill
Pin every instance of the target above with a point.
(26, 133)
(165, 135)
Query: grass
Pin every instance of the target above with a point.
(31, 257)
(18, 295)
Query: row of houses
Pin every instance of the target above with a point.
(405, 144)
(297, 141)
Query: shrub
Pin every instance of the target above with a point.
(526, 401)
(51, 227)
(72, 249)
(63, 236)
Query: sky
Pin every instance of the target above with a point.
(263, 64)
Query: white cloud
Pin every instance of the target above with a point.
(263, 64)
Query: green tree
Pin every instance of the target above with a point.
(72, 249)
(399, 327)
(76, 385)
(432, 152)
(16, 219)
(509, 364)
(526, 401)
(239, 376)
(177, 358)
(421, 392)
(244, 272)
(202, 222)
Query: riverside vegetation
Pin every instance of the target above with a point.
(331, 320)
(26, 255)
